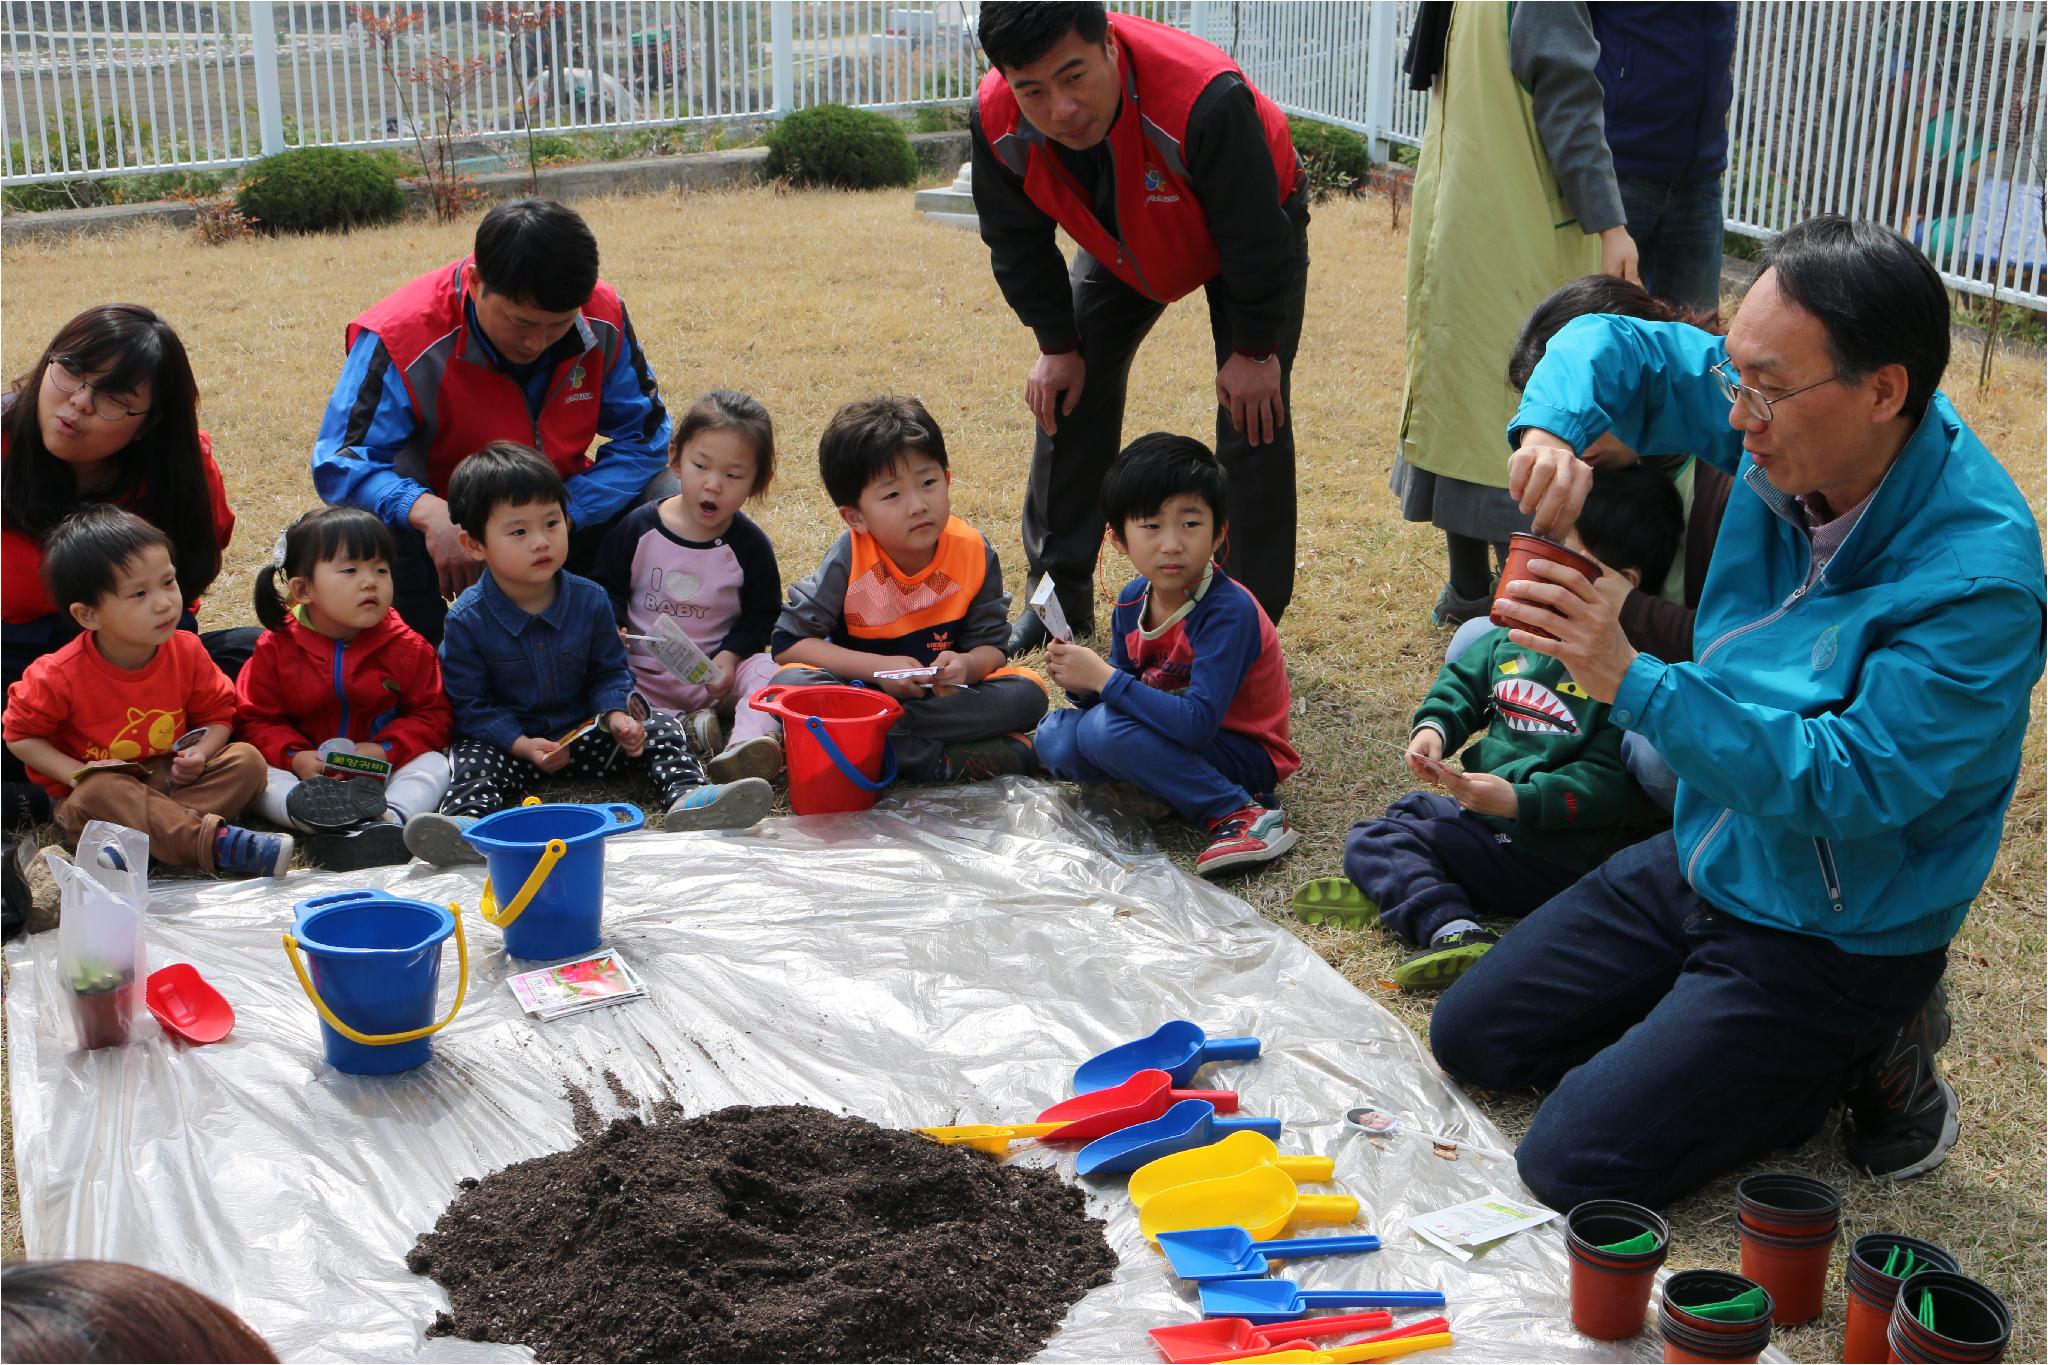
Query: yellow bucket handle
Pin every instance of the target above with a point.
(327, 1016)
(488, 905)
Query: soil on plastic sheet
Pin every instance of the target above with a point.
(763, 1234)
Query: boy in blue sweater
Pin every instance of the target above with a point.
(1191, 704)
(537, 674)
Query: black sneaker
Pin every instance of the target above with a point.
(333, 803)
(1444, 960)
(981, 760)
(1902, 1114)
(380, 843)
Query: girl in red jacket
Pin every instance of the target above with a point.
(338, 671)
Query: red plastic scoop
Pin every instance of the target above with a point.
(1200, 1343)
(186, 1006)
(1143, 1097)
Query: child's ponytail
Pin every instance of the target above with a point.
(317, 536)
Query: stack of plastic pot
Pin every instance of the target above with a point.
(1616, 1248)
(1943, 1316)
(1787, 1224)
(1732, 1333)
(1877, 1264)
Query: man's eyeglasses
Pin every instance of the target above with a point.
(69, 381)
(1754, 402)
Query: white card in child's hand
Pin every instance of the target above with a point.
(1047, 604)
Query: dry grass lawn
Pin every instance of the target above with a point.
(809, 300)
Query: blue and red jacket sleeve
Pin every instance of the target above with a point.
(635, 428)
(1223, 642)
(368, 422)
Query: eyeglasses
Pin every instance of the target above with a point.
(69, 381)
(1754, 402)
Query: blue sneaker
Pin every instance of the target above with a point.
(239, 852)
(436, 838)
(726, 805)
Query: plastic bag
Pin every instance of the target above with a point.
(99, 936)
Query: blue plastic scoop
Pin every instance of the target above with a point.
(1178, 1048)
(1229, 1253)
(1190, 1123)
(1279, 1300)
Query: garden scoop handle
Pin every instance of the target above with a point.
(1224, 1100)
(1370, 1298)
(1264, 1127)
(1324, 1208)
(1381, 1348)
(1308, 1170)
(1301, 1248)
(1305, 1328)
(1229, 1050)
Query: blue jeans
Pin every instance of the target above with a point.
(1102, 744)
(1676, 225)
(1682, 1042)
(1429, 861)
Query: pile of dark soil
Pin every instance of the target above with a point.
(761, 1234)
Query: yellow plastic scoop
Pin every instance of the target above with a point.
(1262, 1201)
(993, 1138)
(1234, 1154)
(1364, 1350)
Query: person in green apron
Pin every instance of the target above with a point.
(1514, 195)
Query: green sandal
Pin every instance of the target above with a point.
(1334, 901)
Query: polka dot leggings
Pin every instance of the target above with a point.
(487, 778)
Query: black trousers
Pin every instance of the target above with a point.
(1063, 520)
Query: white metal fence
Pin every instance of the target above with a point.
(1923, 114)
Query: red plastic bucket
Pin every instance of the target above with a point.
(836, 742)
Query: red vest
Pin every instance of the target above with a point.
(1166, 251)
(462, 401)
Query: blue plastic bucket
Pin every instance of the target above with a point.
(372, 969)
(552, 858)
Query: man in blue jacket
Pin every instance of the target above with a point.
(1846, 740)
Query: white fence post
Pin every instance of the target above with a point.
(782, 41)
(269, 103)
(1380, 64)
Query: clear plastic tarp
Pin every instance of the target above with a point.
(947, 958)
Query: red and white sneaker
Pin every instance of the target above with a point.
(1245, 837)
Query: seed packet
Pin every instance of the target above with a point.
(1047, 604)
(572, 987)
(1464, 1228)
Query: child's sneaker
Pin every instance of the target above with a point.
(239, 852)
(1011, 755)
(1444, 960)
(724, 805)
(333, 803)
(759, 757)
(1243, 838)
(707, 736)
(436, 838)
(381, 843)
(1334, 901)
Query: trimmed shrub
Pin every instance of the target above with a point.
(320, 189)
(849, 149)
(1337, 159)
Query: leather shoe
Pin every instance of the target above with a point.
(1027, 634)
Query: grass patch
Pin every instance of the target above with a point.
(760, 292)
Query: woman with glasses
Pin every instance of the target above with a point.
(108, 413)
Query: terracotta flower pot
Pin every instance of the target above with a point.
(1524, 549)
(1970, 1321)
(1794, 1269)
(104, 1017)
(1785, 1205)
(1610, 1290)
(1689, 1337)
(1872, 1292)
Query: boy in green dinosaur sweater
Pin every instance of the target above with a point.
(1543, 795)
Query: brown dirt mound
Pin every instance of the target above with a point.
(763, 1234)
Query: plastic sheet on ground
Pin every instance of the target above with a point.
(947, 958)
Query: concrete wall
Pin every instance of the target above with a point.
(937, 153)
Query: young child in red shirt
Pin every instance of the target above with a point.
(336, 669)
(97, 723)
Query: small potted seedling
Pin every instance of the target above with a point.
(103, 1000)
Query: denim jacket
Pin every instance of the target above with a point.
(509, 672)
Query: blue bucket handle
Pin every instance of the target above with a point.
(625, 818)
(846, 769)
(337, 898)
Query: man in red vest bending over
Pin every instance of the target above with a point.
(1173, 174)
(520, 341)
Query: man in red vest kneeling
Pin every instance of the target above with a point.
(1172, 173)
(519, 341)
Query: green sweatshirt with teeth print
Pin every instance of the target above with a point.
(1549, 739)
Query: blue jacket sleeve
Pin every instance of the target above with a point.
(479, 714)
(1650, 383)
(635, 427)
(368, 422)
(1225, 645)
(608, 675)
(1876, 765)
